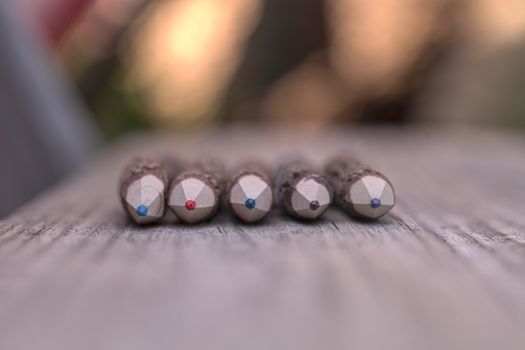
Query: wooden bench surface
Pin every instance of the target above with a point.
(444, 270)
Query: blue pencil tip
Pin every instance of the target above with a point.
(142, 210)
(250, 203)
(375, 203)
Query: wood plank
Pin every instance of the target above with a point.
(446, 269)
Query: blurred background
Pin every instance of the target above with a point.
(77, 74)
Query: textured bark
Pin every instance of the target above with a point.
(173, 166)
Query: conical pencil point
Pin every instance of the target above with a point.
(250, 198)
(144, 199)
(310, 198)
(371, 196)
(192, 200)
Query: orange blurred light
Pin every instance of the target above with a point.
(184, 53)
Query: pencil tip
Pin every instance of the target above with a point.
(250, 203)
(142, 210)
(314, 205)
(144, 199)
(371, 196)
(192, 200)
(251, 198)
(310, 198)
(375, 203)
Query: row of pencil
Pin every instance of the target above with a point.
(193, 192)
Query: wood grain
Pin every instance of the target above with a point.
(445, 269)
